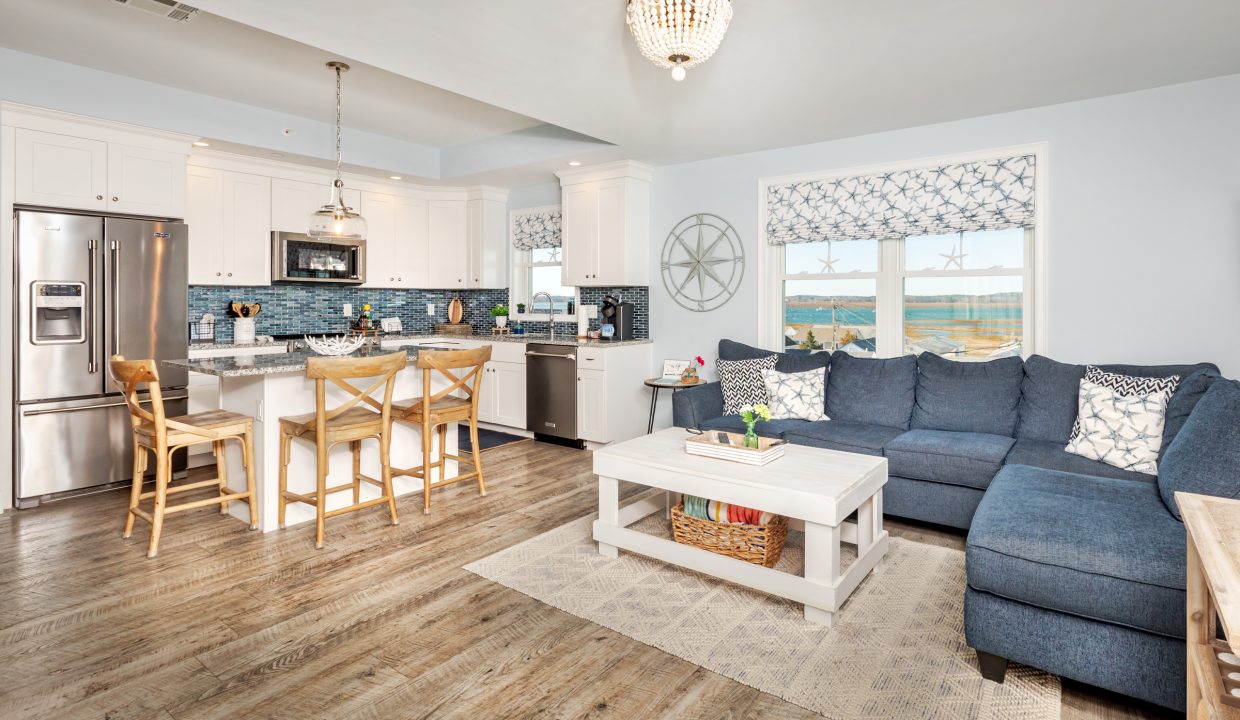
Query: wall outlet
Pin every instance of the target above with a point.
(430, 308)
(348, 310)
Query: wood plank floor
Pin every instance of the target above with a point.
(381, 623)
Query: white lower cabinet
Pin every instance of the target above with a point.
(613, 404)
(592, 405)
(503, 395)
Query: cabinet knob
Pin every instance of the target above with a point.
(400, 279)
(98, 197)
(114, 198)
(229, 274)
(218, 274)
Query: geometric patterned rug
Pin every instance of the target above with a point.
(897, 649)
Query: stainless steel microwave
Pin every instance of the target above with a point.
(296, 257)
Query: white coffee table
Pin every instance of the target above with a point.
(819, 488)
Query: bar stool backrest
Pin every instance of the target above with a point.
(339, 370)
(470, 363)
(129, 376)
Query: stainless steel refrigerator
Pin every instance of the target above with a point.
(89, 287)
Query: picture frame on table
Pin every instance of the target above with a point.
(673, 369)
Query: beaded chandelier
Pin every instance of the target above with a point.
(678, 34)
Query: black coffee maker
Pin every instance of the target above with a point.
(620, 315)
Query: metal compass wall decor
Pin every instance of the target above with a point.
(703, 262)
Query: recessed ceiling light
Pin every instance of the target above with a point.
(574, 163)
(395, 177)
(201, 143)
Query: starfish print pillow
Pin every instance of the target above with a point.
(1120, 419)
(796, 395)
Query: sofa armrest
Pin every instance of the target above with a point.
(693, 406)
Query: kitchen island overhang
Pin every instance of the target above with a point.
(268, 387)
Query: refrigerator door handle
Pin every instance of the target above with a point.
(115, 291)
(32, 413)
(92, 364)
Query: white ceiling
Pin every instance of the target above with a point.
(788, 72)
(479, 78)
(222, 58)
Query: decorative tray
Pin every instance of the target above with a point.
(731, 446)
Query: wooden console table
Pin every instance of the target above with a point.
(1213, 526)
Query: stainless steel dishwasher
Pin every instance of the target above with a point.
(551, 390)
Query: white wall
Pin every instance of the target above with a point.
(1144, 222)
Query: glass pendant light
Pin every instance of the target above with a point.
(336, 219)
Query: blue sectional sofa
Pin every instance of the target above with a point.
(1074, 566)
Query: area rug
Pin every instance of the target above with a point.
(897, 649)
(487, 439)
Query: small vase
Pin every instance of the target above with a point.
(501, 321)
(751, 437)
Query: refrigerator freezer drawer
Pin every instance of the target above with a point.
(75, 445)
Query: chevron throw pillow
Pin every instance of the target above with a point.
(741, 382)
(796, 395)
(1120, 419)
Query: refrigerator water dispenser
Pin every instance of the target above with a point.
(58, 313)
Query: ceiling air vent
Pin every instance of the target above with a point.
(164, 8)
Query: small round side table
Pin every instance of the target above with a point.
(657, 384)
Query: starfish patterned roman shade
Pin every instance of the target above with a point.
(536, 229)
(986, 195)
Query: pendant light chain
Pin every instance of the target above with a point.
(338, 86)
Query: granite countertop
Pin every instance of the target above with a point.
(275, 363)
(527, 338)
(531, 338)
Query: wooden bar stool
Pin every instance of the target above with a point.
(431, 412)
(348, 422)
(156, 433)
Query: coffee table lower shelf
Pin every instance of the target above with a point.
(825, 585)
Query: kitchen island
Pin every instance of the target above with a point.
(268, 387)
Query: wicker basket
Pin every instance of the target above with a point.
(758, 544)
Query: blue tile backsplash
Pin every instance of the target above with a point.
(288, 309)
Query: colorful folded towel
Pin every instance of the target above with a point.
(722, 512)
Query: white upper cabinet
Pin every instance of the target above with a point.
(380, 213)
(448, 263)
(60, 171)
(413, 245)
(145, 182)
(56, 170)
(487, 232)
(229, 218)
(606, 224)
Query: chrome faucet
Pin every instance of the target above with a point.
(550, 304)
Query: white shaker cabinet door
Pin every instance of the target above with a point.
(508, 389)
(449, 251)
(145, 182)
(379, 209)
(247, 218)
(413, 243)
(204, 213)
(592, 405)
(60, 171)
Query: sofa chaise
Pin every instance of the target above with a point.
(1074, 566)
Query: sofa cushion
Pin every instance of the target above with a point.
(951, 458)
(1100, 548)
(871, 391)
(789, 360)
(1120, 419)
(742, 382)
(854, 437)
(1052, 456)
(733, 423)
(1183, 400)
(1192, 388)
(1048, 399)
(974, 397)
(1204, 458)
(796, 394)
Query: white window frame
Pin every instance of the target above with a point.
(889, 316)
(519, 290)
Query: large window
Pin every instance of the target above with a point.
(962, 295)
(537, 271)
